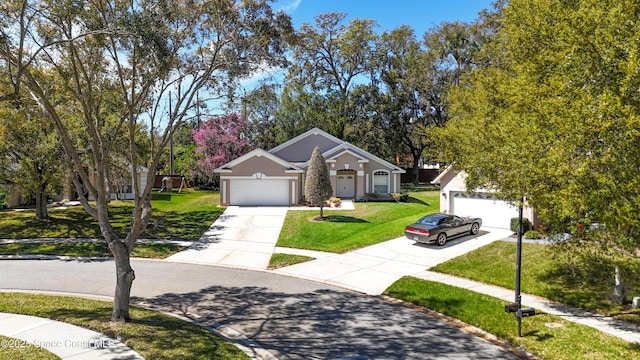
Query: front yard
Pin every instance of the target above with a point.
(579, 276)
(176, 216)
(345, 230)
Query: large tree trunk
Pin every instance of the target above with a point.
(124, 279)
(41, 203)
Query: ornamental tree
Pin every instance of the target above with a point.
(317, 186)
(220, 139)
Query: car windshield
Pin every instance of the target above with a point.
(431, 220)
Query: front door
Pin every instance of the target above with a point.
(345, 186)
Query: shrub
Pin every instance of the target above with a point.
(526, 225)
(400, 197)
(532, 234)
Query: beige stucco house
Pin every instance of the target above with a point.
(455, 199)
(277, 176)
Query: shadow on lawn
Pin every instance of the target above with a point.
(584, 278)
(413, 200)
(346, 219)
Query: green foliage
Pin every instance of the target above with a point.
(487, 313)
(552, 112)
(526, 225)
(573, 273)
(532, 234)
(183, 216)
(370, 223)
(281, 260)
(317, 186)
(148, 250)
(153, 335)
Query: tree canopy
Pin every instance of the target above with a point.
(552, 114)
(98, 69)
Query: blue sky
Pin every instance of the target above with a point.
(419, 14)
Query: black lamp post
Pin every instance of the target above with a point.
(516, 307)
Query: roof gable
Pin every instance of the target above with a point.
(256, 153)
(362, 155)
(299, 149)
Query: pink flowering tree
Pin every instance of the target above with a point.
(220, 139)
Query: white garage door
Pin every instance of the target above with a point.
(252, 192)
(494, 213)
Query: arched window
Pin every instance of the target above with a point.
(381, 182)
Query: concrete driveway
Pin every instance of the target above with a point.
(242, 237)
(246, 237)
(374, 268)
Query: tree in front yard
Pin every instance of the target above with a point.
(317, 187)
(98, 70)
(220, 140)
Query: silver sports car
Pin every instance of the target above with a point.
(438, 228)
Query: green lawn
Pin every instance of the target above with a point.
(345, 230)
(179, 216)
(574, 274)
(97, 249)
(547, 336)
(153, 335)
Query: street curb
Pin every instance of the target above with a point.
(506, 345)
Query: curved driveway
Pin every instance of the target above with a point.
(291, 318)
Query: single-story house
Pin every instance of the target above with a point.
(277, 176)
(121, 189)
(455, 199)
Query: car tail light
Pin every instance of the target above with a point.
(419, 231)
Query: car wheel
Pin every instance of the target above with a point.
(475, 228)
(442, 239)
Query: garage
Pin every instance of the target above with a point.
(494, 213)
(263, 192)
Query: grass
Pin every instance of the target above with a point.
(345, 230)
(97, 249)
(180, 216)
(547, 336)
(578, 275)
(281, 260)
(153, 335)
(13, 349)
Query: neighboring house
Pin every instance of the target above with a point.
(455, 199)
(277, 176)
(121, 188)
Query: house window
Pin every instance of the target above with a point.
(381, 182)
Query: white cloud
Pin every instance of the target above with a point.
(290, 6)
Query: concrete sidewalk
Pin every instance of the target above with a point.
(620, 329)
(374, 268)
(64, 340)
(246, 237)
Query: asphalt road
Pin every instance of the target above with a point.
(290, 317)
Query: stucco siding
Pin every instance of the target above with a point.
(258, 164)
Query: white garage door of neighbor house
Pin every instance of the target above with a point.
(252, 192)
(494, 213)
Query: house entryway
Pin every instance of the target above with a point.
(346, 184)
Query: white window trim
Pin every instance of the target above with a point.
(387, 174)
